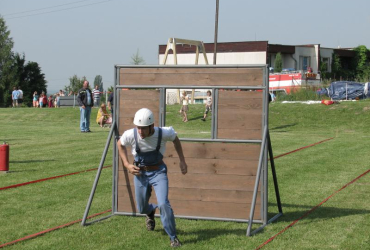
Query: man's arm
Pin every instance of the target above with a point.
(79, 100)
(122, 152)
(178, 147)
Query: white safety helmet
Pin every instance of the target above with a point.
(144, 117)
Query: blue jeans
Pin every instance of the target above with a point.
(85, 118)
(159, 181)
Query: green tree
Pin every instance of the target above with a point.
(99, 81)
(75, 84)
(28, 77)
(136, 59)
(361, 63)
(336, 66)
(34, 80)
(7, 70)
(323, 70)
(278, 64)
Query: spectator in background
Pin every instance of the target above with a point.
(85, 100)
(57, 100)
(35, 100)
(103, 116)
(110, 103)
(208, 105)
(96, 93)
(20, 98)
(70, 93)
(61, 93)
(15, 97)
(50, 101)
(272, 97)
(41, 99)
(45, 99)
(185, 106)
(309, 69)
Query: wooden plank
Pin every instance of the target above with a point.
(194, 194)
(232, 120)
(214, 166)
(202, 209)
(250, 134)
(231, 94)
(129, 111)
(192, 76)
(202, 181)
(225, 151)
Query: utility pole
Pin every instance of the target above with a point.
(216, 33)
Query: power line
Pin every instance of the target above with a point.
(59, 10)
(51, 7)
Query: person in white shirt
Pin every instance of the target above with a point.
(148, 145)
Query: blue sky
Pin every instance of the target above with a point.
(88, 37)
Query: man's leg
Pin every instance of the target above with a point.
(142, 194)
(87, 115)
(160, 184)
(82, 120)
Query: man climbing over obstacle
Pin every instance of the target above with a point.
(148, 144)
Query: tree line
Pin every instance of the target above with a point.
(16, 72)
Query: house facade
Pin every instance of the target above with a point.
(298, 57)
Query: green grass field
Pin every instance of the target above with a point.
(47, 142)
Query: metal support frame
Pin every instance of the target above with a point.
(266, 149)
(92, 193)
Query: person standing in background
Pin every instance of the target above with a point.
(96, 93)
(20, 98)
(35, 100)
(85, 100)
(110, 103)
(15, 97)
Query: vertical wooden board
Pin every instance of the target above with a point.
(211, 181)
(240, 115)
(192, 76)
(130, 101)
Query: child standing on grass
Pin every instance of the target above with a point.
(41, 98)
(50, 101)
(185, 106)
(208, 105)
(35, 99)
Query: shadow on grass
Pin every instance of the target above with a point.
(30, 161)
(318, 213)
(284, 126)
(195, 118)
(207, 234)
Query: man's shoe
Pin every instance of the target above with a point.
(203, 119)
(83, 131)
(88, 131)
(150, 221)
(175, 242)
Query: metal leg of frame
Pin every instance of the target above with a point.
(260, 163)
(83, 223)
(273, 171)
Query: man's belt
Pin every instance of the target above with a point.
(151, 167)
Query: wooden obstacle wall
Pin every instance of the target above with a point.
(221, 176)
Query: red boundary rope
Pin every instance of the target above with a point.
(59, 176)
(49, 230)
(74, 222)
(49, 178)
(303, 148)
(310, 211)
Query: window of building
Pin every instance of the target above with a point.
(304, 62)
